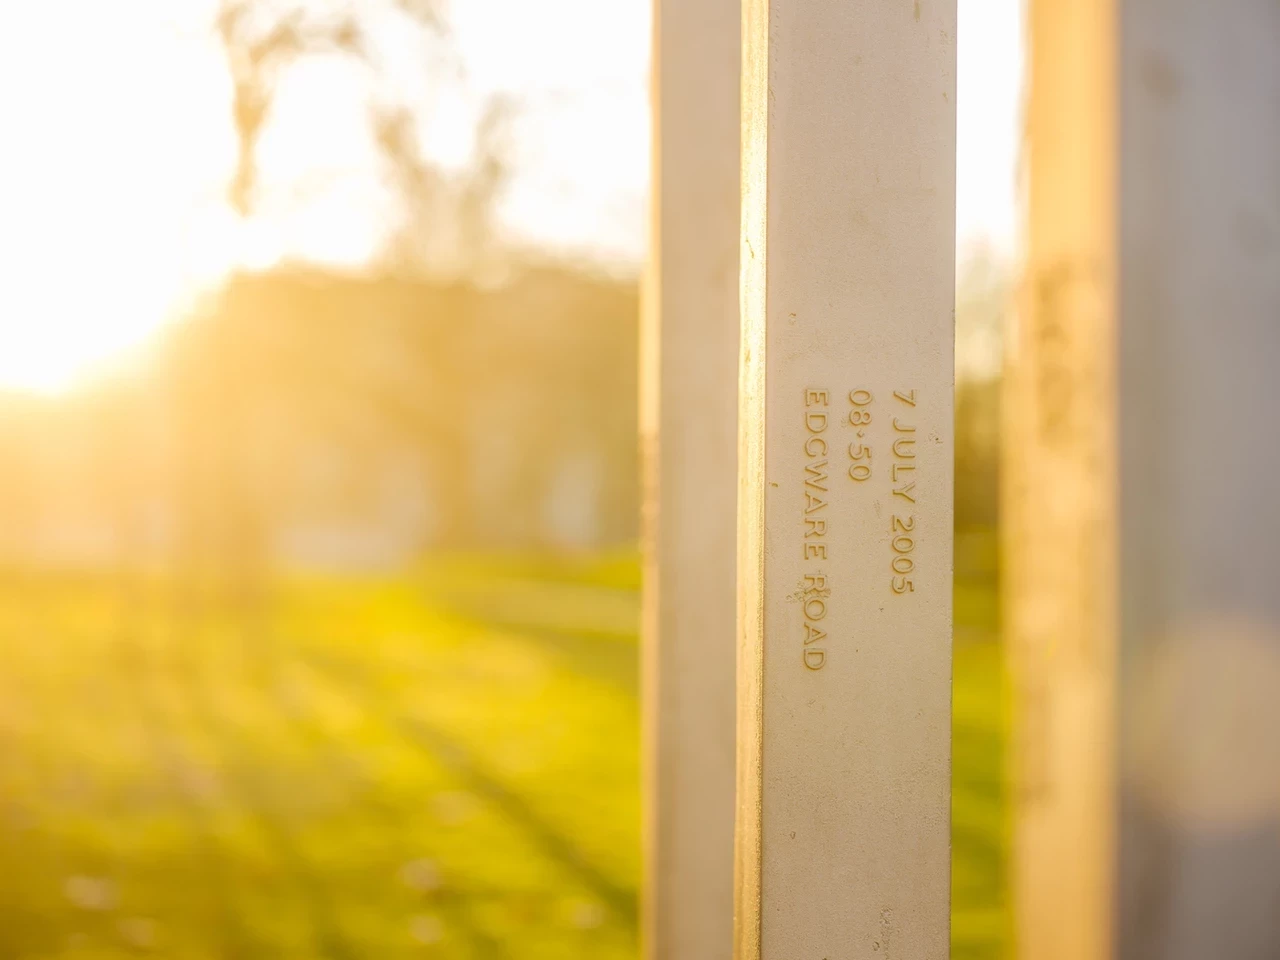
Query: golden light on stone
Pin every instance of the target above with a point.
(845, 465)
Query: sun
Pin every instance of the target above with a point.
(111, 188)
(118, 147)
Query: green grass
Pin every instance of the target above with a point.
(442, 764)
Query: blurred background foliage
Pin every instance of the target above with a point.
(319, 623)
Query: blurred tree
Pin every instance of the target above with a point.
(447, 220)
(398, 370)
(401, 408)
(983, 301)
(309, 399)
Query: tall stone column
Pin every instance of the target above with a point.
(846, 461)
(1059, 514)
(689, 427)
(1143, 557)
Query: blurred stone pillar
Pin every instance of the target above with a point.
(1143, 550)
(846, 479)
(1059, 514)
(689, 431)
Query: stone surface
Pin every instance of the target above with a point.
(843, 846)
(1059, 515)
(1199, 375)
(689, 427)
(1144, 536)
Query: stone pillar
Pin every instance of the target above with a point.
(689, 429)
(1059, 514)
(843, 845)
(1144, 537)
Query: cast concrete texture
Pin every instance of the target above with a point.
(846, 461)
(689, 426)
(1144, 534)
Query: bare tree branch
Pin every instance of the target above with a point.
(445, 217)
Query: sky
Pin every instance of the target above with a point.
(118, 145)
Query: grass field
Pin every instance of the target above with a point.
(440, 764)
